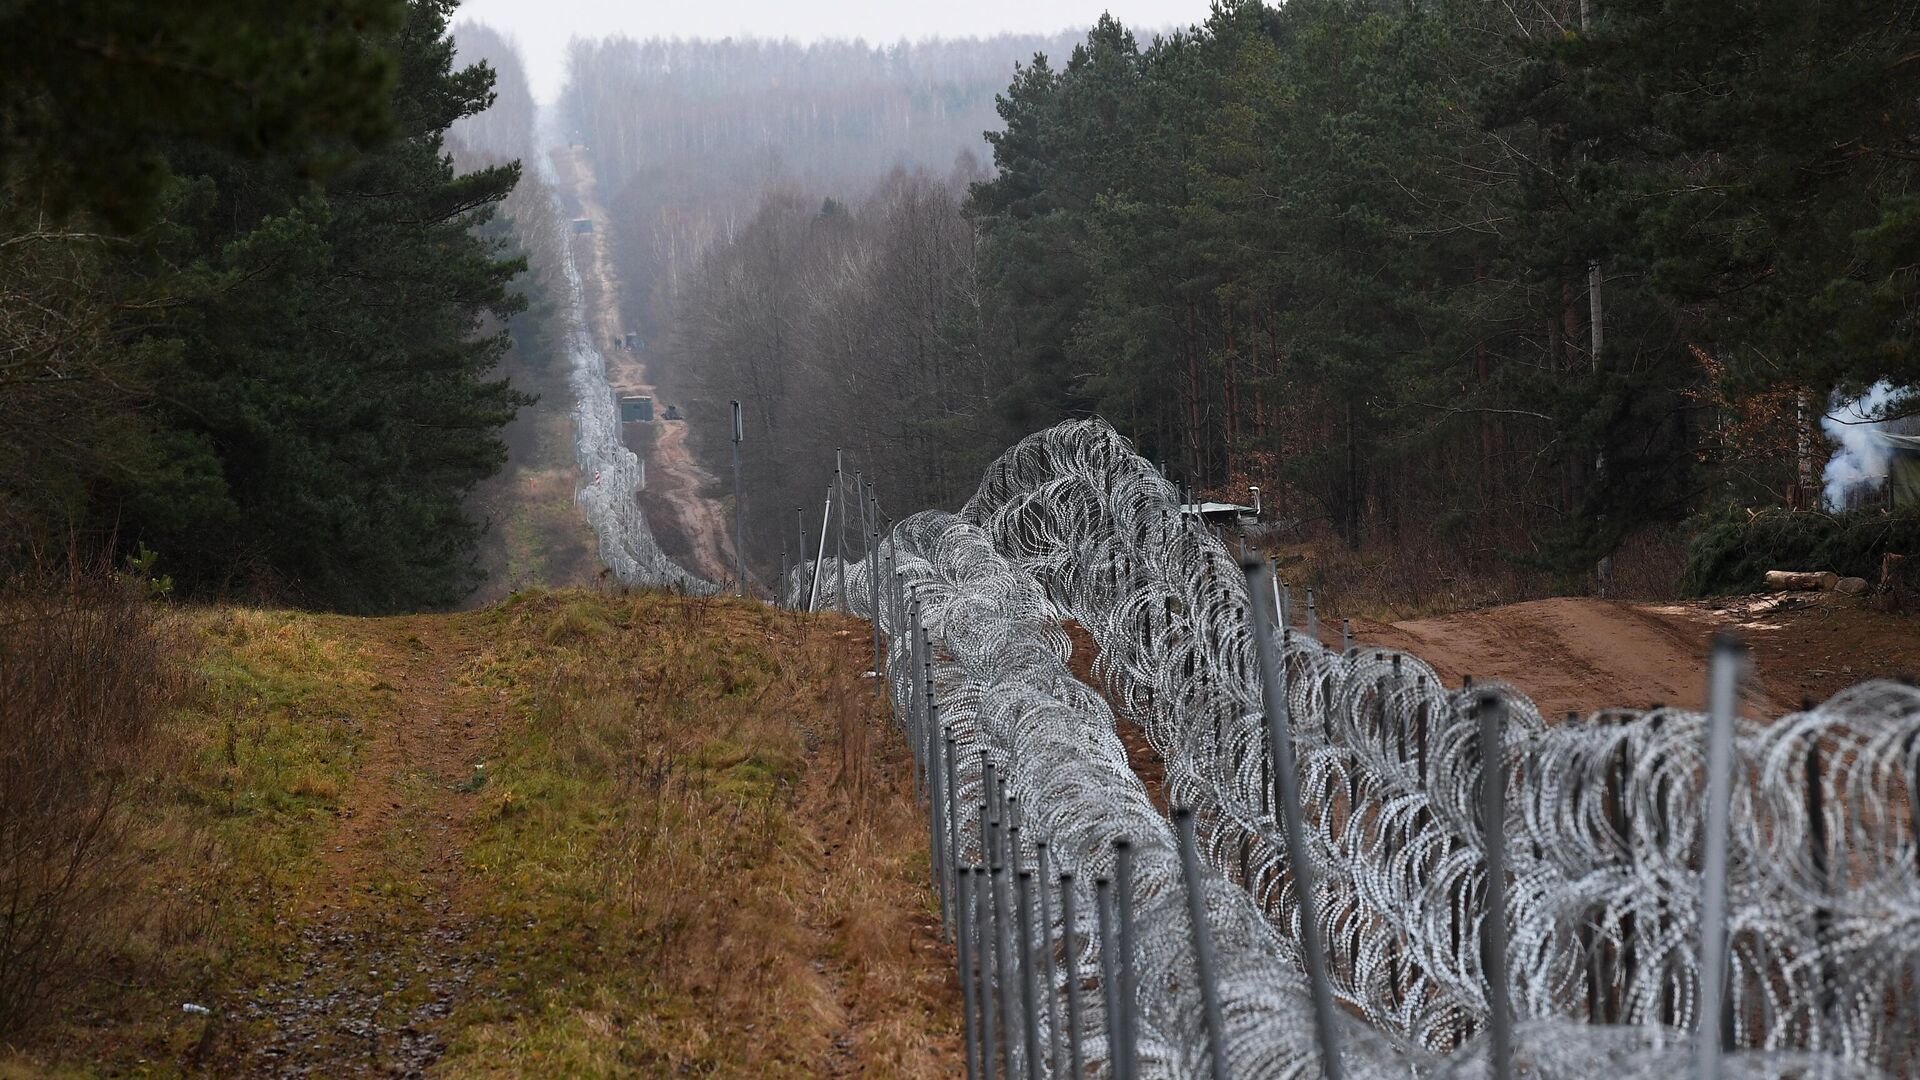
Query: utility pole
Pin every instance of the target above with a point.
(739, 505)
(840, 538)
(820, 556)
(1603, 570)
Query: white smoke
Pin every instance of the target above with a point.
(1859, 457)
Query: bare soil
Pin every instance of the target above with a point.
(384, 947)
(689, 520)
(1576, 654)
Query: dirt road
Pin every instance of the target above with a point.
(385, 942)
(1579, 654)
(688, 519)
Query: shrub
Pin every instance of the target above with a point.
(1735, 548)
(87, 666)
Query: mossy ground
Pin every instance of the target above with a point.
(569, 834)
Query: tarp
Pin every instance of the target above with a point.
(1903, 467)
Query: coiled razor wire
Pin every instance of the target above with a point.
(1603, 915)
(610, 474)
(1014, 710)
(1605, 815)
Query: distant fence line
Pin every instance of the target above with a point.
(610, 473)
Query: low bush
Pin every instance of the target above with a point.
(87, 668)
(1733, 550)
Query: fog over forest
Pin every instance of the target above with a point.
(1436, 284)
(788, 232)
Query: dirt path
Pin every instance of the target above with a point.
(382, 947)
(675, 482)
(1579, 654)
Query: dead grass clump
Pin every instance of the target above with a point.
(1437, 574)
(87, 668)
(710, 792)
(577, 623)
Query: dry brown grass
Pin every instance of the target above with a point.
(750, 869)
(692, 850)
(88, 667)
(1432, 576)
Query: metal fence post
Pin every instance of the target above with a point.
(1076, 1053)
(1110, 976)
(1817, 849)
(840, 541)
(936, 816)
(1204, 968)
(964, 948)
(982, 931)
(1030, 1034)
(873, 603)
(1493, 813)
(739, 504)
(953, 798)
(1723, 686)
(926, 691)
(1287, 797)
(1047, 969)
(1129, 972)
(896, 599)
(916, 692)
(1013, 1008)
(1002, 961)
(799, 553)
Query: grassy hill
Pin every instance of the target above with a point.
(568, 834)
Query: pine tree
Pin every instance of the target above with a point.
(327, 398)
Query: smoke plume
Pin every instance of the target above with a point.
(1859, 457)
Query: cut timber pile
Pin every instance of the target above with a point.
(1795, 580)
(1812, 580)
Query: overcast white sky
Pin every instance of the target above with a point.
(543, 27)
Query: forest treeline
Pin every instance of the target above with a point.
(1508, 280)
(686, 136)
(251, 315)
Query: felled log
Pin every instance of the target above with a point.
(1801, 580)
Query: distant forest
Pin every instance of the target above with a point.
(1520, 284)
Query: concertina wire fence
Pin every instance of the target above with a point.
(1071, 907)
(610, 474)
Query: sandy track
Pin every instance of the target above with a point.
(1567, 653)
(1574, 654)
(697, 536)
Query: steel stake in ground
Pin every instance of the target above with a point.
(1204, 966)
(1723, 685)
(1287, 796)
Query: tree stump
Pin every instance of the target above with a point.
(1897, 584)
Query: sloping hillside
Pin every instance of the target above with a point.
(570, 834)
